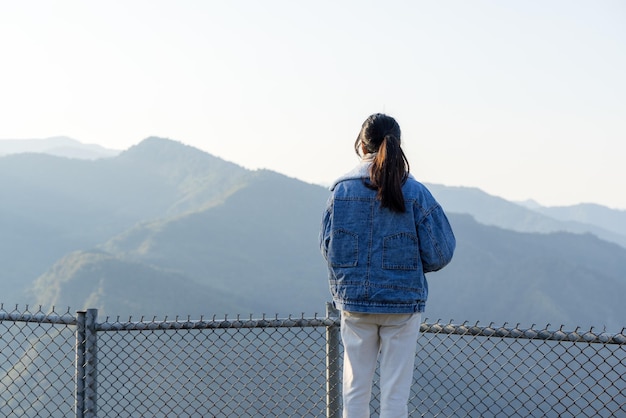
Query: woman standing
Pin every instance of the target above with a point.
(381, 231)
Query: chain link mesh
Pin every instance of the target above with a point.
(495, 372)
(278, 368)
(36, 364)
(212, 369)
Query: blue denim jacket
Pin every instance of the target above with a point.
(377, 258)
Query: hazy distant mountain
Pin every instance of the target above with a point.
(166, 229)
(60, 146)
(608, 224)
(589, 214)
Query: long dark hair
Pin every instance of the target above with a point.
(390, 168)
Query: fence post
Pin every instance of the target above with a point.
(85, 402)
(79, 393)
(333, 393)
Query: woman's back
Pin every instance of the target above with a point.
(377, 256)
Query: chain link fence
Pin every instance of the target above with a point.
(61, 365)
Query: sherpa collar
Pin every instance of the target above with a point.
(361, 171)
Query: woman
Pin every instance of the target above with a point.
(381, 231)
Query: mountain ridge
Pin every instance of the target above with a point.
(524, 217)
(248, 240)
(61, 146)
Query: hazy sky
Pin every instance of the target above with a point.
(522, 99)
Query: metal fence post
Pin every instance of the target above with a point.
(85, 402)
(333, 393)
(79, 393)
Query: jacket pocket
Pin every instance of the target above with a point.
(400, 252)
(343, 249)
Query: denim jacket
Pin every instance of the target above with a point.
(377, 259)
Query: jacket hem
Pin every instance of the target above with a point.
(391, 308)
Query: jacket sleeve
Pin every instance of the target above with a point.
(436, 239)
(325, 231)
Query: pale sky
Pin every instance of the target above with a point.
(522, 99)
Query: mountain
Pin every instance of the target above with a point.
(166, 229)
(499, 275)
(257, 250)
(52, 206)
(116, 286)
(608, 224)
(60, 146)
(589, 214)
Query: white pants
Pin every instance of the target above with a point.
(391, 338)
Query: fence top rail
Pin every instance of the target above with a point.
(435, 328)
(40, 317)
(465, 329)
(531, 334)
(214, 323)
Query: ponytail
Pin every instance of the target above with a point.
(388, 172)
(390, 168)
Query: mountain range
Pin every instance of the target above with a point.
(165, 229)
(61, 146)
